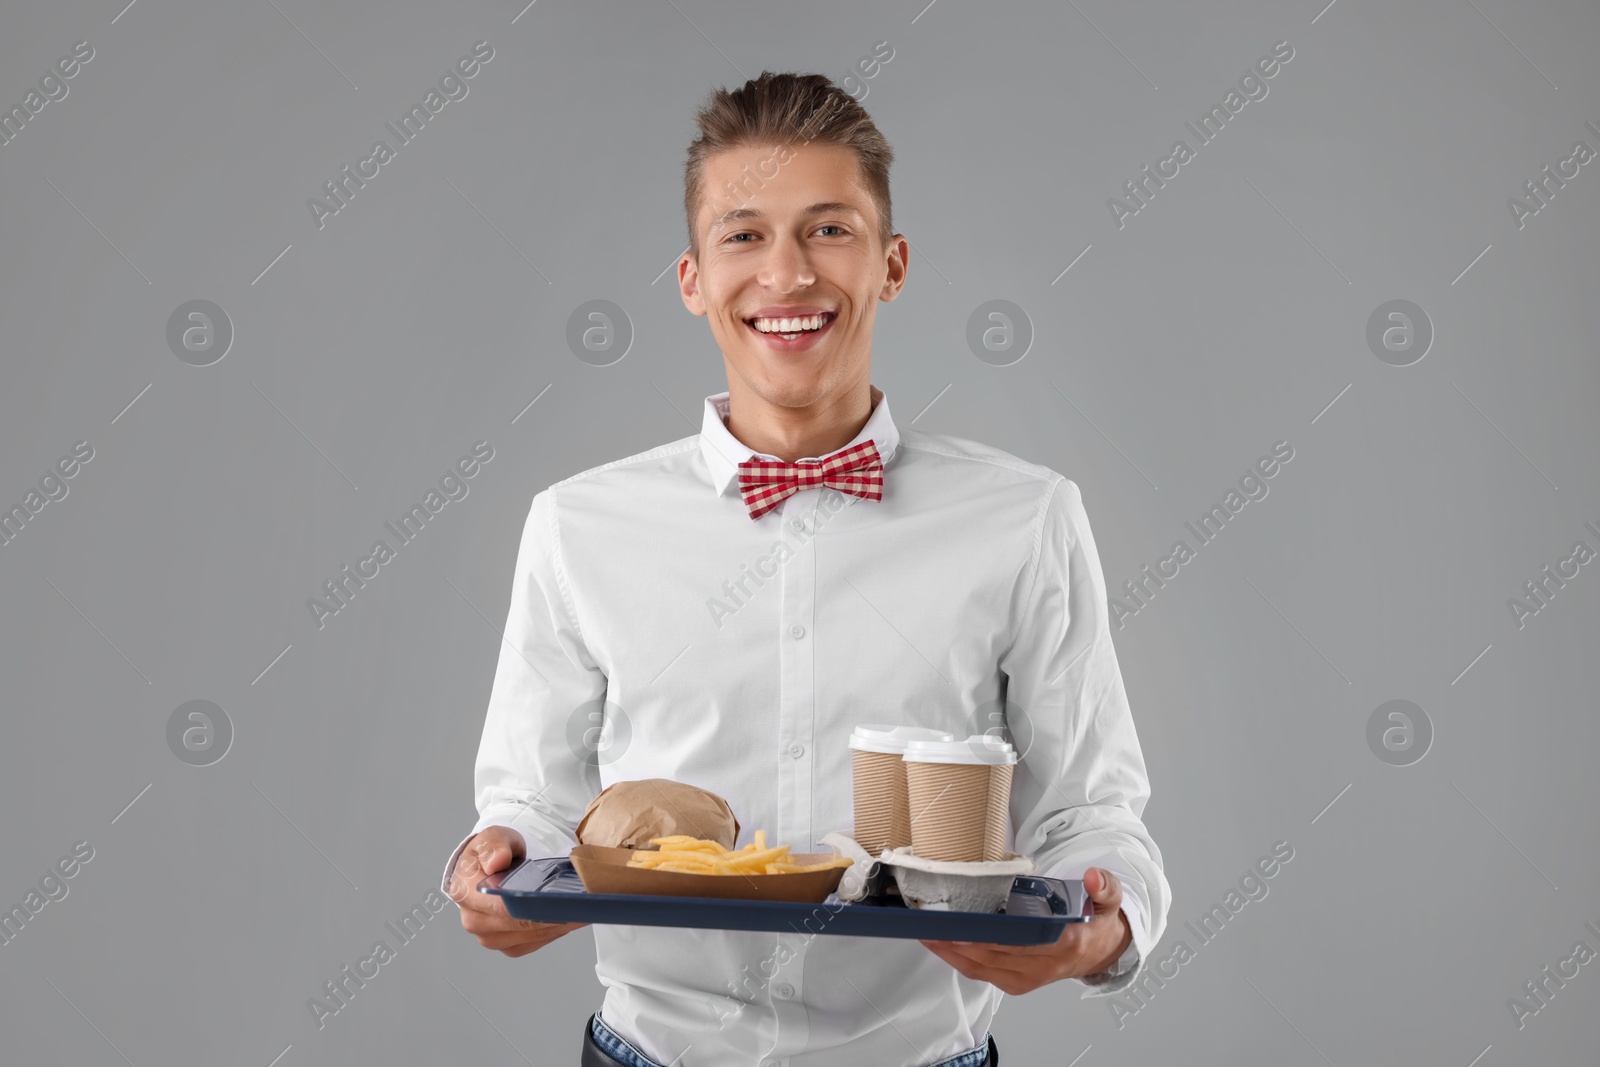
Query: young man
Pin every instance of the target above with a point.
(741, 617)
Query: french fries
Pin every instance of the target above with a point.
(700, 855)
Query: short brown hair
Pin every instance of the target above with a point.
(787, 110)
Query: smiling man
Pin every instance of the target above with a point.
(880, 575)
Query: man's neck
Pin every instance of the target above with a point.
(795, 433)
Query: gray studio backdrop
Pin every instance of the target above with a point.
(1379, 259)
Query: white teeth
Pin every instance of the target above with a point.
(789, 327)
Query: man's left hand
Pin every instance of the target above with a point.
(1083, 948)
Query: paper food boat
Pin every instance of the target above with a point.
(606, 870)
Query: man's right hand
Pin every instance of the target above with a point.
(484, 915)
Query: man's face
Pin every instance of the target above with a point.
(791, 233)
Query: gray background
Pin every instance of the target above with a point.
(1228, 314)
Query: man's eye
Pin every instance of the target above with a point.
(734, 238)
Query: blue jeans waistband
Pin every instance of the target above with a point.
(619, 1048)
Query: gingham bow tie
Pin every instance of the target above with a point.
(857, 470)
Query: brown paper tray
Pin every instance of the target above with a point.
(605, 870)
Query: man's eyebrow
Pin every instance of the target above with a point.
(825, 208)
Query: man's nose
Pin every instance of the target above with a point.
(787, 266)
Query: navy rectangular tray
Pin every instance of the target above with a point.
(549, 890)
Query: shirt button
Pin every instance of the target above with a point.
(784, 990)
(797, 631)
(798, 524)
(797, 750)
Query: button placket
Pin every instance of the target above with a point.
(793, 1024)
(796, 720)
(796, 658)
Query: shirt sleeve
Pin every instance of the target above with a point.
(1080, 787)
(534, 773)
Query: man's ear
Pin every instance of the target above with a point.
(898, 259)
(689, 285)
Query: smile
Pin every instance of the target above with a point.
(792, 334)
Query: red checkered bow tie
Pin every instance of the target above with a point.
(766, 483)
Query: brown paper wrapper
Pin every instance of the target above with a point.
(628, 814)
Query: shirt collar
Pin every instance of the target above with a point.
(723, 453)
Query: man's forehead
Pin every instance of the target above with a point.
(749, 211)
(755, 183)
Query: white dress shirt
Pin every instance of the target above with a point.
(738, 655)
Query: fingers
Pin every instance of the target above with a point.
(487, 916)
(514, 939)
(463, 890)
(533, 935)
(478, 923)
(520, 942)
(1017, 969)
(464, 877)
(484, 915)
(517, 953)
(492, 856)
(1011, 981)
(992, 953)
(496, 849)
(974, 961)
(991, 959)
(1105, 889)
(950, 955)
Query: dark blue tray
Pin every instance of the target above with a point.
(1039, 908)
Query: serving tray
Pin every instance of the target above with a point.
(549, 890)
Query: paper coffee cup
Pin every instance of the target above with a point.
(960, 795)
(882, 805)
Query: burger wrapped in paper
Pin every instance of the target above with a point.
(629, 814)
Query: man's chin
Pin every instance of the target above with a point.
(787, 386)
(790, 395)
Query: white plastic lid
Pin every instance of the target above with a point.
(978, 748)
(893, 739)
